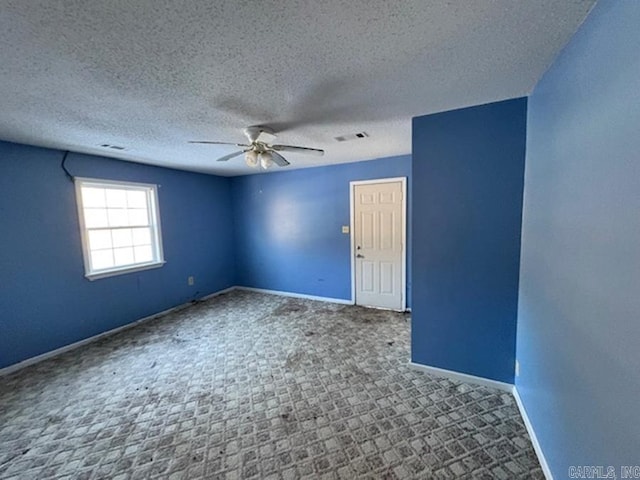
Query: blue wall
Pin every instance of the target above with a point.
(579, 313)
(468, 168)
(45, 300)
(288, 226)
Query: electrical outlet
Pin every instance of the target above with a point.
(345, 229)
(517, 368)
(191, 280)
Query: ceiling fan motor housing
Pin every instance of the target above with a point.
(259, 133)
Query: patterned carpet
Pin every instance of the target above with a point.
(256, 386)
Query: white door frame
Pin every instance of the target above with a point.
(352, 185)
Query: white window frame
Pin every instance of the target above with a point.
(152, 201)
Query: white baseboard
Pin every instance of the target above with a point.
(59, 351)
(532, 434)
(297, 295)
(507, 387)
(215, 294)
(341, 301)
(463, 377)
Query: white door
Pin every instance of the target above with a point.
(378, 222)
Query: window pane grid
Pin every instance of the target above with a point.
(120, 226)
(116, 217)
(128, 246)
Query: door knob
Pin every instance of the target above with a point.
(359, 256)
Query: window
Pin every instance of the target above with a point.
(120, 227)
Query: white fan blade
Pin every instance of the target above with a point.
(292, 148)
(278, 159)
(230, 156)
(218, 143)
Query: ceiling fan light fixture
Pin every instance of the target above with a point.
(251, 159)
(266, 160)
(258, 153)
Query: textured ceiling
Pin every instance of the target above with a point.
(150, 75)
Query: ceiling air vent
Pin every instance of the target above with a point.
(353, 136)
(112, 147)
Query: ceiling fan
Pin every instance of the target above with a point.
(259, 153)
